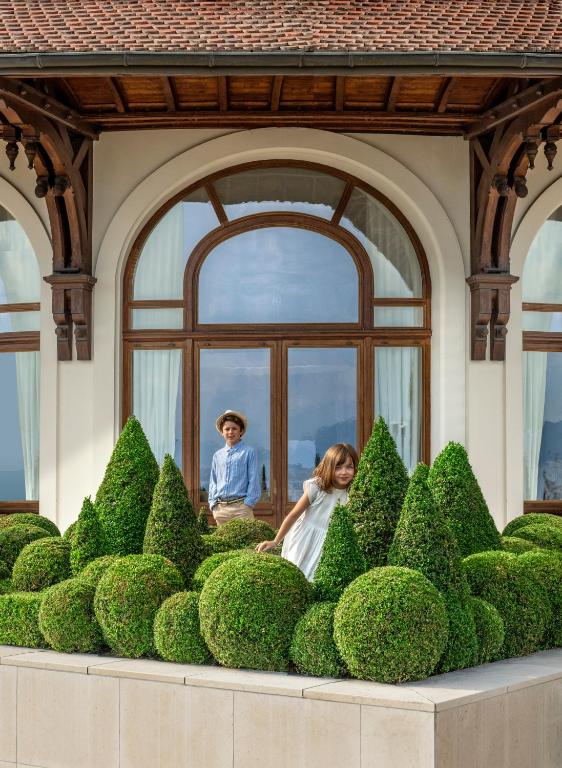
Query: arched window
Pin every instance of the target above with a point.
(288, 291)
(542, 368)
(19, 368)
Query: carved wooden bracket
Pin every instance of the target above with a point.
(489, 306)
(72, 307)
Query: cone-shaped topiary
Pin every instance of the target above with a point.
(341, 561)
(540, 518)
(177, 634)
(516, 546)
(377, 494)
(489, 630)
(313, 650)
(19, 619)
(123, 499)
(93, 572)
(460, 499)
(461, 648)
(544, 536)
(212, 562)
(88, 542)
(30, 518)
(15, 538)
(546, 565)
(42, 563)
(203, 522)
(70, 531)
(171, 530)
(424, 541)
(67, 620)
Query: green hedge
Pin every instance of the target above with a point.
(211, 563)
(540, 518)
(546, 566)
(42, 563)
(5, 570)
(213, 544)
(177, 633)
(70, 532)
(391, 625)
(19, 619)
(240, 533)
(544, 536)
(313, 650)
(93, 572)
(127, 597)
(88, 539)
(489, 630)
(15, 538)
(461, 648)
(203, 522)
(341, 560)
(249, 607)
(29, 518)
(516, 546)
(67, 620)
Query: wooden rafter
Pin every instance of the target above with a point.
(70, 94)
(169, 96)
(445, 92)
(339, 94)
(276, 87)
(222, 88)
(393, 93)
(117, 94)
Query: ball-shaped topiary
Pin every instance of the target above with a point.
(14, 538)
(516, 546)
(127, 598)
(546, 565)
(88, 540)
(171, 529)
(67, 620)
(5, 586)
(93, 572)
(5, 571)
(519, 598)
(391, 625)
(377, 494)
(313, 650)
(214, 544)
(248, 609)
(123, 499)
(461, 648)
(42, 563)
(19, 619)
(211, 563)
(544, 536)
(177, 634)
(540, 518)
(242, 532)
(30, 518)
(342, 559)
(489, 630)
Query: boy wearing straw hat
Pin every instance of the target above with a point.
(234, 485)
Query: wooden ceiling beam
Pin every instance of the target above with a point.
(168, 89)
(393, 93)
(444, 94)
(117, 94)
(223, 93)
(276, 87)
(339, 94)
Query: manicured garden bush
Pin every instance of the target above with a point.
(544, 536)
(203, 521)
(214, 544)
(489, 630)
(241, 532)
(42, 563)
(19, 619)
(67, 620)
(516, 546)
(249, 607)
(313, 650)
(391, 625)
(461, 648)
(29, 518)
(5, 571)
(546, 566)
(211, 563)
(540, 518)
(14, 538)
(177, 634)
(123, 499)
(6, 586)
(521, 601)
(70, 531)
(88, 540)
(93, 572)
(341, 560)
(460, 499)
(171, 529)
(127, 597)
(377, 494)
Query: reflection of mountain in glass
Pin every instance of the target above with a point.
(550, 462)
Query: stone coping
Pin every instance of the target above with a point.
(435, 694)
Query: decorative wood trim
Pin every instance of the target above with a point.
(26, 307)
(489, 299)
(18, 507)
(216, 203)
(542, 341)
(552, 507)
(342, 205)
(72, 306)
(19, 341)
(538, 307)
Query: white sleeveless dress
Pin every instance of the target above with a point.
(303, 544)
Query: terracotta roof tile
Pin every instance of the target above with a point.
(50, 26)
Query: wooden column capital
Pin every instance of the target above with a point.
(72, 307)
(489, 307)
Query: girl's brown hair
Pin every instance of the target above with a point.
(336, 455)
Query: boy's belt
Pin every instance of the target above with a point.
(230, 499)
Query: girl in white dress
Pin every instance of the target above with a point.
(305, 527)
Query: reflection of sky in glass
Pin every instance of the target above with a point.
(157, 318)
(549, 484)
(278, 275)
(542, 274)
(12, 476)
(396, 317)
(238, 379)
(18, 321)
(20, 280)
(322, 406)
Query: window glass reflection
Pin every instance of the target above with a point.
(322, 408)
(398, 317)
(20, 281)
(19, 321)
(278, 275)
(157, 318)
(542, 274)
(238, 379)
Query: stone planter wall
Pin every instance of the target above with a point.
(82, 711)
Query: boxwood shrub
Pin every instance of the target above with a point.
(177, 634)
(127, 597)
(93, 572)
(67, 620)
(489, 630)
(211, 563)
(19, 619)
(68, 535)
(42, 563)
(5, 571)
(540, 518)
(517, 595)
(14, 538)
(546, 566)
(203, 521)
(391, 625)
(342, 559)
(516, 546)
(249, 607)
(6, 586)
(544, 536)
(29, 518)
(242, 532)
(313, 649)
(461, 648)
(214, 544)
(88, 540)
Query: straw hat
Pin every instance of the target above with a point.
(224, 417)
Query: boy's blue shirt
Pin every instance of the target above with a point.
(234, 473)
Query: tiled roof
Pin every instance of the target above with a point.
(50, 26)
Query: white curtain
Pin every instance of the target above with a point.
(20, 282)
(159, 272)
(397, 398)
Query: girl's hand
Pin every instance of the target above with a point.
(263, 546)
